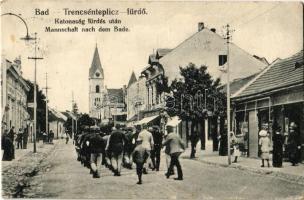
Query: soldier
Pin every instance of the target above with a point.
(128, 148)
(96, 148)
(115, 148)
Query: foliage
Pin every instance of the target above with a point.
(189, 94)
(40, 105)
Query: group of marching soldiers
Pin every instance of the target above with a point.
(122, 146)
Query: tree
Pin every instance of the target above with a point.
(188, 95)
(40, 105)
(85, 120)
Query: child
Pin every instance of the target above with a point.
(139, 155)
(235, 147)
(265, 146)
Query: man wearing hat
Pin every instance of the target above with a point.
(139, 155)
(175, 147)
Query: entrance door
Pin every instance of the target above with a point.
(253, 135)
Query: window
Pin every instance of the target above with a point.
(222, 60)
(97, 89)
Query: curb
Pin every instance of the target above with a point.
(288, 177)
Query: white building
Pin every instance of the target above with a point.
(136, 97)
(56, 123)
(14, 91)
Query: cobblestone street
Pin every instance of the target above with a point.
(66, 178)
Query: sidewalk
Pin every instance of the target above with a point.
(16, 174)
(287, 172)
(20, 153)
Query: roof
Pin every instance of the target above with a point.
(56, 115)
(96, 64)
(152, 59)
(68, 114)
(132, 79)
(204, 48)
(237, 84)
(115, 95)
(263, 59)
(162, 52)
(279, 74)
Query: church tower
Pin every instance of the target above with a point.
(96, 90)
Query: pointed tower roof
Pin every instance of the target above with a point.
(96, 64)
(132, 79)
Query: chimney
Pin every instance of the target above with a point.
(213, 30)
(201, 26)
(17, 63)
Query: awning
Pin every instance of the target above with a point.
(174, 121)
(146, 120)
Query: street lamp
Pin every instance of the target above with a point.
(27, 36)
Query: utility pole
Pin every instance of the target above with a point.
(35, 58)
(46, 106)
(228, 37)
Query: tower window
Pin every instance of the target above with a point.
(97, 88)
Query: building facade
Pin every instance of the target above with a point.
(113, 107)
(136, 97)
(274, 97)
(14, 92)
(56, 123)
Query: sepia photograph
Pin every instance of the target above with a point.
(152, 99)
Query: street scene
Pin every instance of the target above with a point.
(152, 100)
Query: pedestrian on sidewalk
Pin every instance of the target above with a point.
(139, 155)
(115, 148)
(7, 146)
(19, 138)
(148, 143)
(66, 138)
(44, 136)
(11, 134)
(194, 138)
(223, 150)
(25, 138)
(264, 142)
(278, 141)
(51, 136)
(235, 147)
(177, 147)
(294, 145)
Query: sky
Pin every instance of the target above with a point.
(267, 29)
